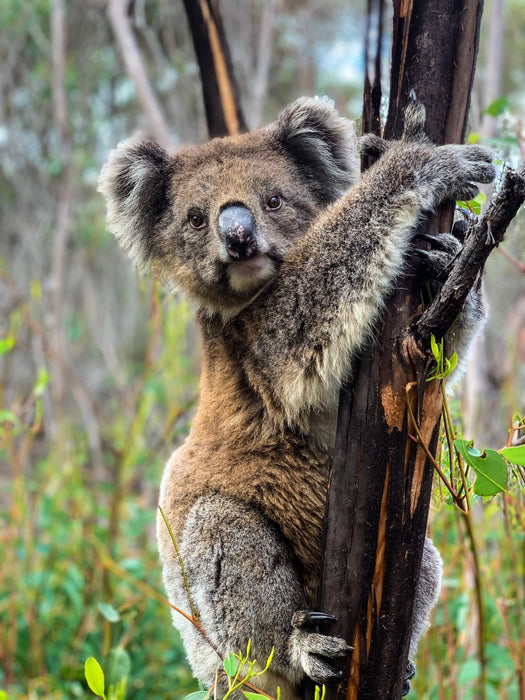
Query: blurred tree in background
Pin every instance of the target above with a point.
(98, 367)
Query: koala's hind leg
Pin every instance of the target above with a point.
(427, 593)
(245, 586)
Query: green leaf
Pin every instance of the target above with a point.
(475, 204)
(6, 344)
(94, 676)
(3, 695)
(119, 665)
(469, 671)
(109, 612)
(496, 108)
(230, 664)
(452, 362)
(436, 351)
(515, 455)
(490, 468)
(254, 696)
(199, 695)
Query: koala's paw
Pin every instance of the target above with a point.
(409, 673)
(456, 169)
(438, 261)
(309, 650)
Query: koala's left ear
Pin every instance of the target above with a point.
(322, 143)
(135, 182)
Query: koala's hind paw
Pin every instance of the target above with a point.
(307, 648)
(409, 673)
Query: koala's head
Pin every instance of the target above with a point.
(217, 220)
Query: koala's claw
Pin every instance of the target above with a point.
(409, 673)
(433, 239)
(308, 618)
(309, 650)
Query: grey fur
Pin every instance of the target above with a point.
(245, 494)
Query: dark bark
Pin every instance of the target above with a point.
(371, 119)
(371, 116)
(381, 481)
(434, 51)
(221, 100)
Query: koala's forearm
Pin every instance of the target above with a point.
(330, 292)
(332, 287)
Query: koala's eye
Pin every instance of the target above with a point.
(197, 221)
(275, 202)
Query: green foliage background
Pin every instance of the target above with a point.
(93, 400)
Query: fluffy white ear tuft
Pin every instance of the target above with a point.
(135, 182)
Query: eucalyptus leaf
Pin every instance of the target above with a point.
(230, 664)
(94, 676)
(515, 455)
(198, 695)
(109, 612)
(490, 468)
(119, 665)
(254, 696)
(496, 108)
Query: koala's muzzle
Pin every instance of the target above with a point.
(237, 229)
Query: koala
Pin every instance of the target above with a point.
(289, 257)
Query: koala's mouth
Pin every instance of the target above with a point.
(245, 275)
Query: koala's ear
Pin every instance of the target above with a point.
(322, 143)
(135, 182)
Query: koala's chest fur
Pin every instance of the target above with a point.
(240, 446)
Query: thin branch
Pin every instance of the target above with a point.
(513, 261)
(482, 237)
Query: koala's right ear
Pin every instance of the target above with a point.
(322, 144)
(135, 182)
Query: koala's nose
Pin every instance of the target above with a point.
(237, 228)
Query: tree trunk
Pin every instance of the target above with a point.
(221, 100)
(381, 481)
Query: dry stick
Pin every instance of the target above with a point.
(482, 236)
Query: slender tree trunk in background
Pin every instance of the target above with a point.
(381, 481)
(221, 99)
(264, 59)
(493, 66)
(64, 189)
(130, 54)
